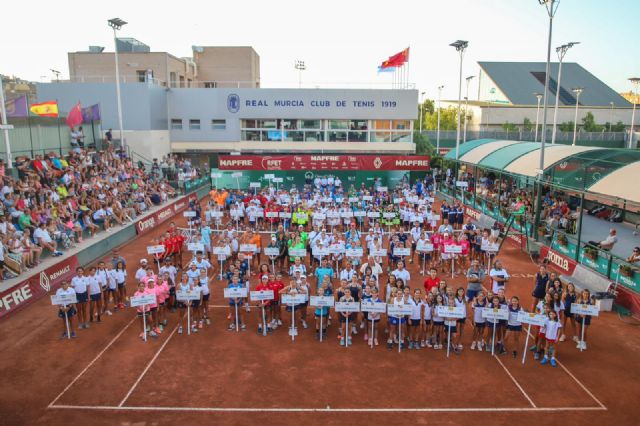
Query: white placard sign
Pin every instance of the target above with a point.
(224, 251)
(302, 216)
(367, 198)
(145, 299)
(388, 215)
(319, 216)
(453, 249)
(359, 214)
(297, 252)
(215, 175)
(375, 307)
(158, 249)
(435, 217)
(254, 185)
(424, 248)
(346, 214)
(271, 251)
(580, 309)
(495, 314)
(216, 214)
(187, 295)
(232, 293)
(293, 299)
(269, 176)
(373, 215)
(277, 180)
(65, 299)
(284, 215)
(450, 311)
(353, 199)
(272, 214)
(379, 252)
(236, 174)
(402, 251)
(333, 215)
(354, 252)
(531, 318)
(195, 247)
(247, 247)
(491, 247)
(321, 301)
(382, 189)
(336, 250)
(397, 200)
(317, 251)
(257, 296)
(347, 307)
(399, 310)
(462, 184)
(189, 214)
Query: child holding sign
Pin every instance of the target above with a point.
(346, 331)
(321, 312)
(239, 301)
(415, 319)
(583, 321)
(373, 317)
(479, 322)
(552, 332)
(66, 312)
(438, 322)
(450, 327)
(514, 327)
(143, 310)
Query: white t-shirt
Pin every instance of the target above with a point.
(552, 329)
(402, 274)
(79, 284)
(495, 286)
(42, 233)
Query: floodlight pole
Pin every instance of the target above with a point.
(116, 24)
(466, 109)
(539, 97)
(561, 51)
(420, 110)
(577, 91)
(635, 81)
(438, 128)
(460, 46)
(610, 116)
(5, 126)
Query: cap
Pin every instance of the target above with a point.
(151, 279)
(143, 260)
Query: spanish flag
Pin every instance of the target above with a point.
(45, 109)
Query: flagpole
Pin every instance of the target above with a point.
(59, 133)
(29, 124)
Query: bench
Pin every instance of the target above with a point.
(600, 287)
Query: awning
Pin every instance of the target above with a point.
(620, 183)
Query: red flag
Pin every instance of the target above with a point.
(74, 118)
(398, 59)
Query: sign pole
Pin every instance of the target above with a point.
(264, 321)
(424, 261)
(66, 321)
(293, 323)
(188, 318)
(321, 309)
(144, 322)
(221, 277)
(237, 325)
(372, 335)
(453, 264)
(399, 334)
(448, 340)
(526, 344)
(582, 334)
(273, 265)
(346, 330)
(493, 337)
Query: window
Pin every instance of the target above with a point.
(172, 78)
(176, 124)
(218, 124)
(309, 124)
(339, 124)
(210, 84)
(401, 124)
(141, 75)
(381, 124)
(194, 124)
(181, 81)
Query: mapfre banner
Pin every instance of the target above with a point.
(323, 162)
(33, 288)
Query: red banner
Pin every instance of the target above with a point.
(323, 162)
(165, 213)
(33, 288)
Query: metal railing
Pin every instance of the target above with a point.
(525, 135)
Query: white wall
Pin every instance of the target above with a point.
(148, 143)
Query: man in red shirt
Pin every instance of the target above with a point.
(265, 285)
(168, 244)
(432, 280)
(177, 242)
(277, 285)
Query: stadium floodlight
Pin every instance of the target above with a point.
(635, 81)
(561, 51)
(300, 66)
(460, 46)
(420, 110)
(438, 127)
(466, 108)
(577, 91)
(539, 98)
(117, 24)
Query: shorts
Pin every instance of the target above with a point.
(95, 297)
(375, 320)
(514, 327)
(154, 309)
(568, 313)
(471, 294)
(414, 322)
(538, 294)
(396, 321)
(205, 297)
(480, 325)
(552, 341)
(161, 304)
(141, 314)
(587, 319)
(121, 285)
(71, 312)
(82, 297)
(181, 305)
(98, 221)
(195, 304)
(541, 334)
(351, 317)
(437, 323)
(111, 290)
(461, 321)
(274, 303)
(450, 328)
(295, 307)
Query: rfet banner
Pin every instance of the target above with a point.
(323, 162)
(33, 288)
(150, 222)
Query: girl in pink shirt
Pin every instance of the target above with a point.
(151, 289)
(447, 240)
(464, 256)
(142, 310)
(436, 240)
(162, 294)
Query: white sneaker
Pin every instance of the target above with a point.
(584, 345)
(279, 322)
(354, 330)
(575, 339)
(361, 326)
(473, 346)
(563, 338)
(108, 312)
(579, 345)
(304, 324)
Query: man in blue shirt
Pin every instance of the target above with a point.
(320, 273)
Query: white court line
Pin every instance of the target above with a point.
(584, 388)
(330, 410)
(515, 382)
(92, 362)
(147, 367)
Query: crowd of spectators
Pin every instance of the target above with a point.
(55, 201)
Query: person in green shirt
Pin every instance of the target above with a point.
(304, 236)
(296, 244)
(25, 220)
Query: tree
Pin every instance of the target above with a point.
(509, 127)
(448, 119)
(527, 125)
(566, 126)
(618, 127)
(589, 123)
(426, 108)
(423, 145)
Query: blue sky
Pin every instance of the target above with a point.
(340, 41)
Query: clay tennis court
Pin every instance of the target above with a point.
(109, 376)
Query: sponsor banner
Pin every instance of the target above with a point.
(324, 162)
(152, 221)
(558, 261)
(33, 288)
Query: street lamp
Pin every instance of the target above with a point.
(635, 81)
(438, 128)
(577, 91)
(300, 66)
(561, 51)
(551, 6)
(460, 46)
(116, 24)
(610, 116)
(56, 73)
(539, 98)
(466, 109)
(420, 109)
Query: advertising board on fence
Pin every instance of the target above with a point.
(33, 288)
(152, 221)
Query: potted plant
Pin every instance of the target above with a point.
(562, 240)
(591, 252)
(504, 212)
(627, 270)
(467, 196)
(489, 205)
(542, 230)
